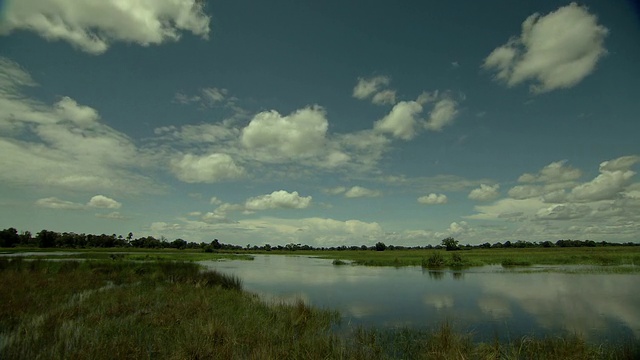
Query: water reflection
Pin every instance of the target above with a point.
(487, 301)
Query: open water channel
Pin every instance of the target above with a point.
(488, 301)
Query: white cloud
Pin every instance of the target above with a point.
(82, 116)
(336, 190)
(556, 172)
(458, 228)
(554, 51)
(508, 209)
(62, 145)
(215, 201)
(359, 191)
(101, 201)
(623, 163)
(484, 192)
(214, 95)
(112, 216)
(563, 212)
(98, 201)
(280, 199)
(401, 121)
(206, 169)
(427, 97)
(384, 97)
(161, 227)
(55, 203)
(199, 134)
(605, 186)
(443, 114)
(433, 199)
(93, 25)
(525, 191)
(367, 87)
(273, 137)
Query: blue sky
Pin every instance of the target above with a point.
(324, 123)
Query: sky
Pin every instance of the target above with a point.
(324, 123)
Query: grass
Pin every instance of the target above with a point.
(131, 254)
(174, 310)
(618, 259)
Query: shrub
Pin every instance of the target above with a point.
(436, 260)
(456, 260)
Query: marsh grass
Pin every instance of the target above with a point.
(174, 310)
(512, 262)
(611, 258)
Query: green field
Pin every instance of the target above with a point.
(106, 309)
(611, 259)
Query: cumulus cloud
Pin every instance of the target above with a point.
(427, 97)
(433, 199)
(484, 192)
(93, 25)
(525, 191)
(458, 228)
(623, 163)
(508, 209)
(367, 87)
(101, 201)
(553, 51)
(556, 172)
(384, 97)
(442, 114)
(280, 199)
(210, 168)
(359, 191)
(605, 186)
(271, 136)
(402, 121)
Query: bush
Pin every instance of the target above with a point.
(456, 260)
(436, 260)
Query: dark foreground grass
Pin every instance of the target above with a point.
(171, 310)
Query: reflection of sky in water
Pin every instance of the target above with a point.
(487, 301)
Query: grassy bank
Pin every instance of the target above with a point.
(130, 254)
(616, 258)
(168, 310)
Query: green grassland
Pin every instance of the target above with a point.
(130, 253)
(120, 309)
(613, 259)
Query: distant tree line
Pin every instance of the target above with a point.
(51, 239)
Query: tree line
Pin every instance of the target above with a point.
(10, 237)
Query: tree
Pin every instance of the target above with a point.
(380, 246)
(47, 239)
(9, 237)
(450, 243)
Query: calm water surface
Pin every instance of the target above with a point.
(489, 301)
